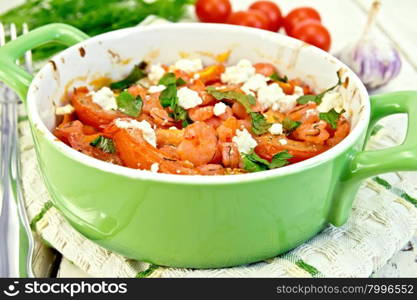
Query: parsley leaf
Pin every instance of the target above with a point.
(245, 100)
(331, 117)
(137, 73)
(318, 98)
(310, 98)
(166, 97)
(280, 159)
(290, 125)
(253, 163)
(259, 123)
(103, 143)
(170, 78)
(276, 77)
(128, 104)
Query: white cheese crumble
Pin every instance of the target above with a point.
(219, 108)
(147, 131)
(276, 128)
(196, 76)
(105, 98)
(64, 110)
(283, 141)
(331, 100)
(155, 167)
(239, 73)
(244, 141)
(156, 72)
(156, 88)
(273, 96)
(254, 84)
(188, 98)
(145, 82)
(311, 112)
(189, 65)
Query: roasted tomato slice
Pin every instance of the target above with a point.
(89, 112)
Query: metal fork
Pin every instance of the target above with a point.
(16, 240)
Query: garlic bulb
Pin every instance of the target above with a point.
(376, 62)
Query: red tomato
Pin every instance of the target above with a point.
(298, 15)
(213, 11)
(251, 18)
(272, 11)
(314, 33)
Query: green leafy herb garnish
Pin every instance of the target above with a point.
(128, 104)
(280, 159)
(290, 125)
(245, 100)
(276, 77)
(170, 78)
(168, 98)
(319, 97)
(168, 95)
(137, 73)
(259, 123)
(104, 144)
(253, 163)
(331, 117)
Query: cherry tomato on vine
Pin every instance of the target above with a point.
(251, 18)
(213, 11)
(298, 15)
(314, 33)
(272, 11)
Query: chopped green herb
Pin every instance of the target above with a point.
(319, 97)
(290, 125)
(310, 98)
(167, 96)
(280, 159)
(104, 144)
(276, 77)
(331, 117)
(137, 73)
(179, 113)
(170, 78)
(128, 104)
(245, 100)
(253, 163)
(259, 123)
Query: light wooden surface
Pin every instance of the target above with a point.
(345, 20)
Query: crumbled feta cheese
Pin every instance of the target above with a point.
(156, 88)
(147, 131)
(244, 141)
(276, 128)
(283, 141)
(219, 108)
(273, 96)
(196, 76)
(254, 84)
(299, 91)
(63, 110)
(188, 98)
(105, 98)
(156, 72)
(331, 100)
(239, 73)
(155, 167)
(172, 128)
(189, 65)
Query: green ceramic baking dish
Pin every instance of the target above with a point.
(197, 221)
